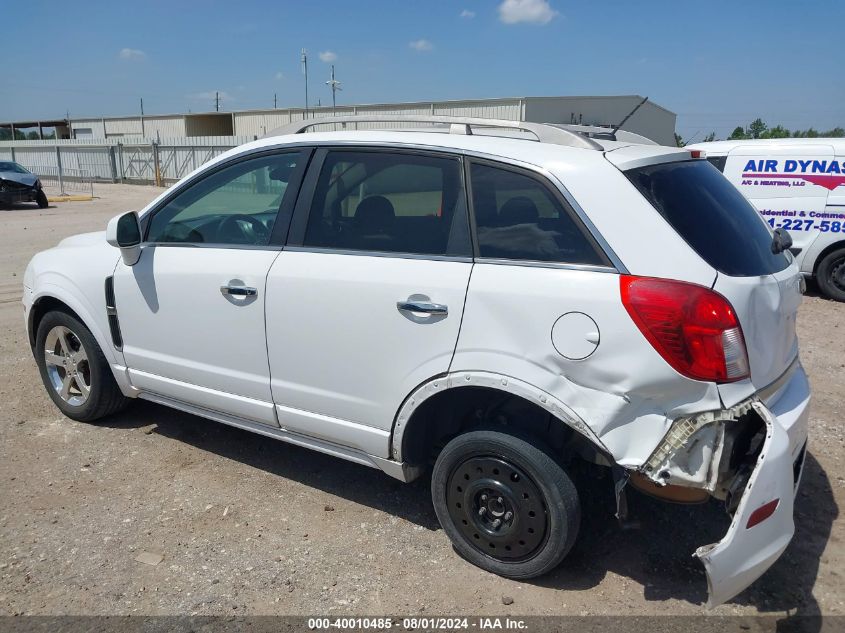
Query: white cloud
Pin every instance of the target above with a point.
(466, 13)
(131, 53)
(280, 75)
(421, 45)
(328, 57)
(526, 11)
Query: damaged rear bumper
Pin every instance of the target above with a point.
(759, 491)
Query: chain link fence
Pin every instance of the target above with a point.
(74, 166)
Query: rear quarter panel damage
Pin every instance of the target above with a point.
(624, 392)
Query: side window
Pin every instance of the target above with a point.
(235, 205)
(517, 217)
(389, 202)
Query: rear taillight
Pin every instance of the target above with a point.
(693, 328)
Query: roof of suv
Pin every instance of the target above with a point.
(520, 148)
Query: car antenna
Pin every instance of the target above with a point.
(629, 115)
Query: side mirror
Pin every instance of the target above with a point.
(781, 240)
(124, 232)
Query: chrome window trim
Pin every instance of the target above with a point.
(531, 263)
(242, 247)
(392, 254)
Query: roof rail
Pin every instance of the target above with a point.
(605, 133)
(457, 125)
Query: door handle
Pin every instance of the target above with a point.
(239, 291)
(426, 307)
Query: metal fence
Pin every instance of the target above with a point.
(131, 160)
(64, 181)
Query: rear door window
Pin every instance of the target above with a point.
(707, 211)
(518, 217)
(389, 202)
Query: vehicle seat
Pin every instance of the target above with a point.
(374, 215)
(518, 210)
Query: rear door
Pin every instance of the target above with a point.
(788, 185)
(366, 300)
(726, 231)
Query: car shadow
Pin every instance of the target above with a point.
(657, 555)
(363, 485)
(31, 206)
(654, 550)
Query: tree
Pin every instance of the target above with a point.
(756, 128)
(679, 140)
(710, 138)
(777, 131)
(738, 134)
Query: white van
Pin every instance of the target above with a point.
(797, 184)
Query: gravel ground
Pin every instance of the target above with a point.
(246, 525)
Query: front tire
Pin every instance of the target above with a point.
(830, 275)
(505, 503)
(75, 372)
(41, 199)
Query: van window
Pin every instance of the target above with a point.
(390, 202)
(517, 217)
(711, 215)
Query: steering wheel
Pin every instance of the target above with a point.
(241, 229)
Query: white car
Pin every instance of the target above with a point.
(502, 309)
(797, 184)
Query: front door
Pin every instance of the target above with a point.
(191, 310)
(367, 302)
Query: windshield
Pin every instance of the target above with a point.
(13, 167)
(711, 215)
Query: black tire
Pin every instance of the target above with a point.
(531, 486)
(830, 275)
(41, 199)
(104, 396)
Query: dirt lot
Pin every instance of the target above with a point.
(247, 525)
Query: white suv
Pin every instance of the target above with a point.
(508, 311)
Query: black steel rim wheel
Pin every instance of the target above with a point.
(497, 508)
(837, 273)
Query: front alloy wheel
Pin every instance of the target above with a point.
(74, 370)
(67, 365)
(504, 501)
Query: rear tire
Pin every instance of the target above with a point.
(41, 199)
(75, 372)
(830, 275)
(505, 503)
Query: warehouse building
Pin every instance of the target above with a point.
(650, 119)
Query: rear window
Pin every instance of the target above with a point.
(711, 215)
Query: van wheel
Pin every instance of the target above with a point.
(507, 506)
(74, 370)
(831, 275)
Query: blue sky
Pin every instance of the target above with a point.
(717, 64)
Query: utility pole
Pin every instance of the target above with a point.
(217, 101)
(274, 101)
(142, 116)
(334, 84)
(304, 60)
